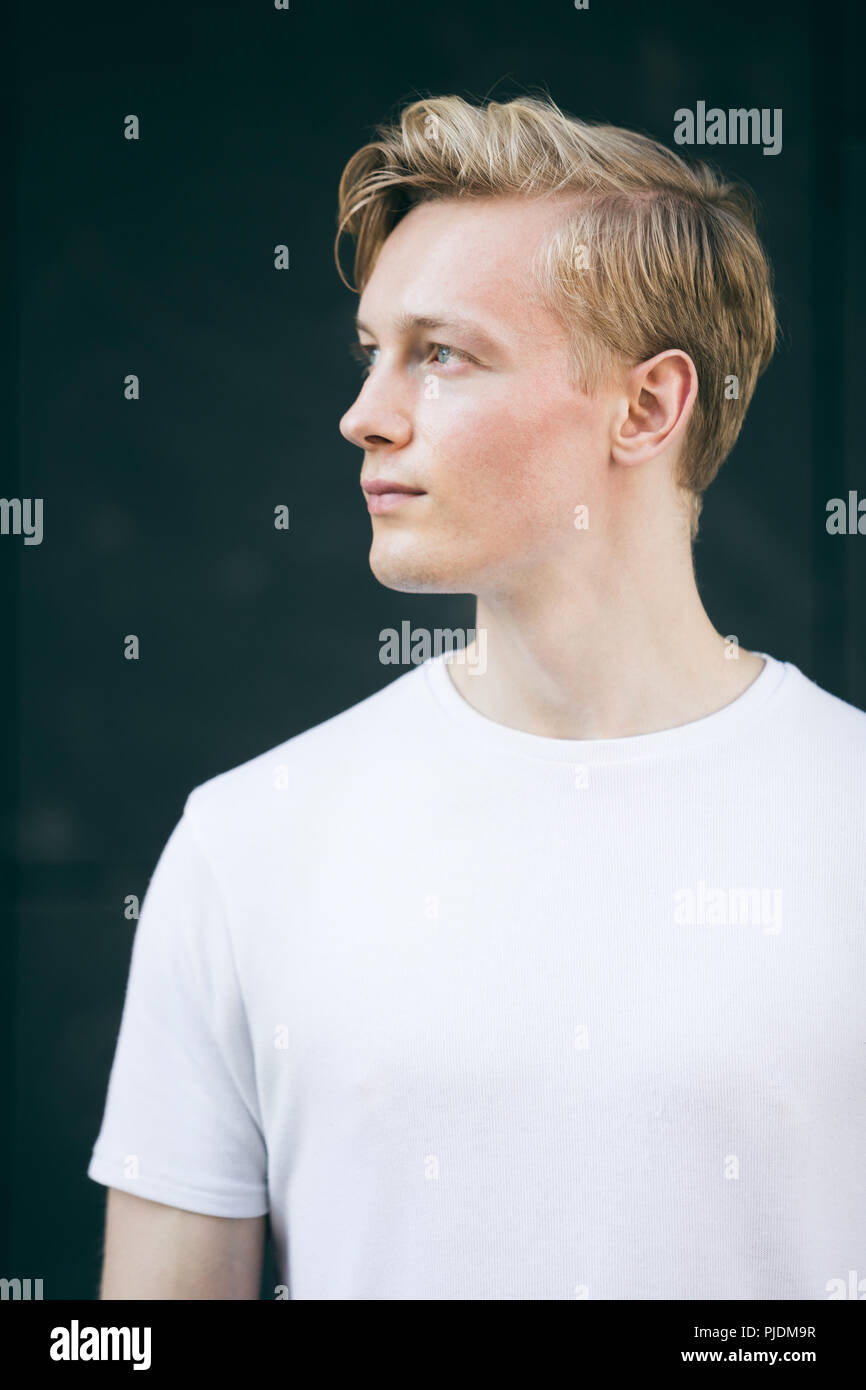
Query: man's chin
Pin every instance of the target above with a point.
(409, 571)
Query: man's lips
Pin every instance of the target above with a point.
(384, 495)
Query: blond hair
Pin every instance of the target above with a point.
(657, 252)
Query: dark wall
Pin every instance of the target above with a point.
(155, 257)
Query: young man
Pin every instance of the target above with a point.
(542, 976)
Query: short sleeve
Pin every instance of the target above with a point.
(181, 1123)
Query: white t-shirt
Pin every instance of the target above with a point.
(479, 1014)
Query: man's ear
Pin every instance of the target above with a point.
(657, 400)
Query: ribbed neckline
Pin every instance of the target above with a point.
(485, 733)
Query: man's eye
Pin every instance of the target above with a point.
(453, 354)
(442, 353)
(362, 353)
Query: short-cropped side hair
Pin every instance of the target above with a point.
(653, 252)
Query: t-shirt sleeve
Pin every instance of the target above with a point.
(181, 1123)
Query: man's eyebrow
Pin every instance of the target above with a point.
(406, 323)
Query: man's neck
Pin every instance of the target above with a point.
(633, 664)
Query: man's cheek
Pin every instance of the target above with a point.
(493, 463)
(454, 417)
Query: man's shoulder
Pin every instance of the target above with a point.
(343, 745)
(824, 714)
(823, 731)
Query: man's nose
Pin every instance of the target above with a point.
(374, 420)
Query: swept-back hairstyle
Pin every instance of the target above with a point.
(653, 251)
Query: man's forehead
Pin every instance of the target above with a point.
(468, 264)
(476, 241)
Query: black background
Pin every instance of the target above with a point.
(155, 257)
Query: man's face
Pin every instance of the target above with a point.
(468, 399)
